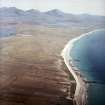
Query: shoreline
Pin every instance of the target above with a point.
(81, 92)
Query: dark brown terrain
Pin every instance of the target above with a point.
(31, 69)
(40, 83)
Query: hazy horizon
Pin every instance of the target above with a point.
(52, 10)
(94, 7)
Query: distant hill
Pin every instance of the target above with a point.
(53, 17)
(11, 16)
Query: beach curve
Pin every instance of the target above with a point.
(81, 92)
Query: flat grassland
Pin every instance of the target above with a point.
(31, 69)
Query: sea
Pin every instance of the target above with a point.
(88, 55)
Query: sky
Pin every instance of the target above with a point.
(95, 7)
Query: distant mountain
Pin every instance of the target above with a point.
(52, 17)
(10, 12)
(55, 12)
(10, 17)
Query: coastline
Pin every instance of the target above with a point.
(82, 84)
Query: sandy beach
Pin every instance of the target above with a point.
(80, 96)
